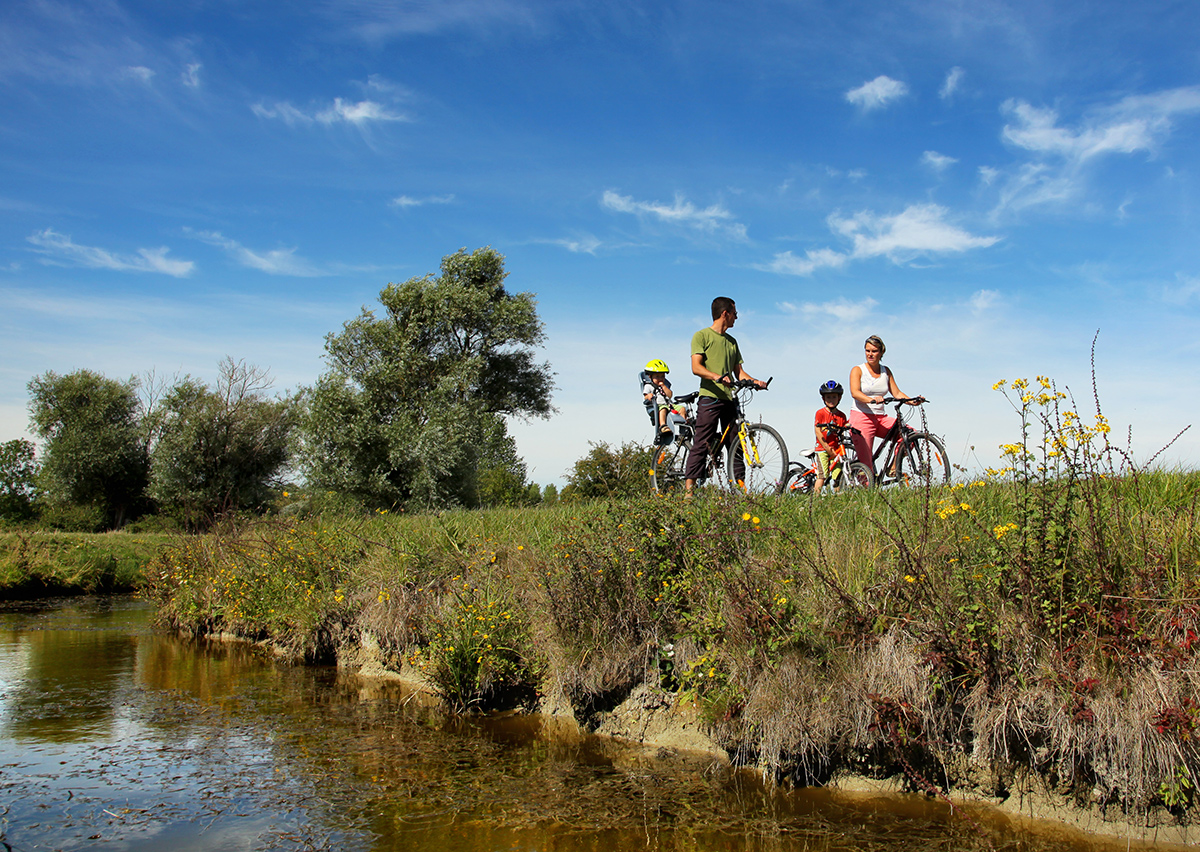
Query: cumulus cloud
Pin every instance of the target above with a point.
(877, 93)
(273, 262)
(937, 162)
(406, 201)
(713, 219)
(59, 250)
(919, 230)
(951, 84)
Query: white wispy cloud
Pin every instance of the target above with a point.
(877, 93)
(1061, 153)
(140, 73)
(1136, 123)
(953, 81)
(919, 230)
(584, 244)
(713, 219)
(340, 111)
(409, 201)
(1184, 292)
(841, 309)
(191, 75)
(282, 261)
(937, 162)
(375, 21)
(983, 300)
(59, 250)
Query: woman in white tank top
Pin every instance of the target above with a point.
(869, 383)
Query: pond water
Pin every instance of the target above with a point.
(118, 737)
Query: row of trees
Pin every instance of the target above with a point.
(411, 412)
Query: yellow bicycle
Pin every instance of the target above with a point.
(748, 457)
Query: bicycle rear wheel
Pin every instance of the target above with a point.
(799, 481)
(666, 473)
(922, 461)
(763, 457)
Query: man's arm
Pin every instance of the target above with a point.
(701, 371)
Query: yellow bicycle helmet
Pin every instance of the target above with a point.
(658, 365)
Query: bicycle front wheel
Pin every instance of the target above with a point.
(758, 462)
(666, 474)
(856, 475)
(922, 461)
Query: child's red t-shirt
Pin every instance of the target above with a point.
(823, 416)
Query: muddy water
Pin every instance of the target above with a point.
(114, 736)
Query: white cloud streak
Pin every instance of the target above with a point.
(877, 93)
(713, 219)
(937, 162)
(191, 75)
(274, 262)
(406, 201)
(59, 250)
(919, 230)
(341, 111)
(951, 85)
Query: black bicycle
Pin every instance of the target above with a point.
(910, 457)
(753, 449)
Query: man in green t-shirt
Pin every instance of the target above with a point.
(715, 358)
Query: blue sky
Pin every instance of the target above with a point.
(984, 184)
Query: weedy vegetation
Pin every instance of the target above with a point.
(1042, 622)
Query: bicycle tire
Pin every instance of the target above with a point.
(855, 475)
(922, 461)
(767, 467)
(799, 481)
(666, 473)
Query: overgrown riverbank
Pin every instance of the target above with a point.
(40, 563)
(963, 638)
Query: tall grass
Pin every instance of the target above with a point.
(1042, 622)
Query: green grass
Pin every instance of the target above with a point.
(36, 563)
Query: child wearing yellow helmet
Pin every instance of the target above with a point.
(655, 384)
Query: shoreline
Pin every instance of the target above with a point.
(659, 723)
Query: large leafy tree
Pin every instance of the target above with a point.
(218, 449)
(412, 408)
(94, 454)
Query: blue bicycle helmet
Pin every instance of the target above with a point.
(829, 387)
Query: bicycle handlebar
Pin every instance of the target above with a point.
(899, 400)
(741, 384)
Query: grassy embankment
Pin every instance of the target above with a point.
(39, 563)
(1045, 621)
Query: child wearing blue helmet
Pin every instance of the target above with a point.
(829, 443)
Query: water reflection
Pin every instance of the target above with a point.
(112, 733)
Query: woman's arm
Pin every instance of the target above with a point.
(856, 387)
